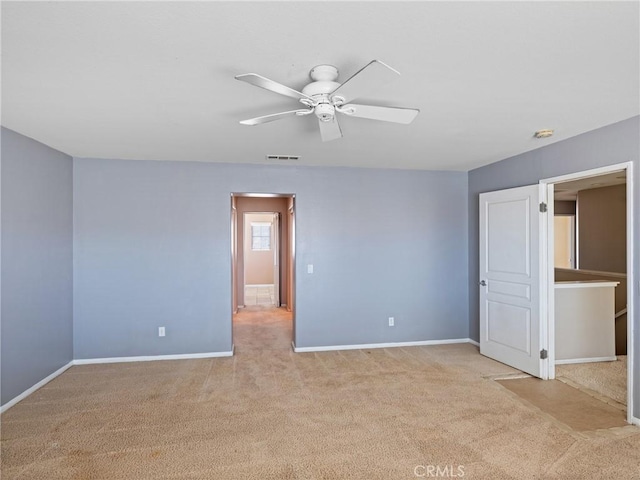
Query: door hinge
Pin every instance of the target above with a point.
(543, 354)
(543, 207)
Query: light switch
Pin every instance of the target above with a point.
(310, 268)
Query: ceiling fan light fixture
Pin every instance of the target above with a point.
(325, 112)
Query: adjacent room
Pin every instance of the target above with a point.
(320, 240)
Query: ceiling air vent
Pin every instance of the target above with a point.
(283, 157)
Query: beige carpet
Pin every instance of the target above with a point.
(605, 378)
(268, 413)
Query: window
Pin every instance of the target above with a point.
(260, 236)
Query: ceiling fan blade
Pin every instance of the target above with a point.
(267, 84)
(385, 114)
(273, 117)
(365, 81)
(330, 130)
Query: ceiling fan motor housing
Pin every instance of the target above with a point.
(324, 81)
(320, 87)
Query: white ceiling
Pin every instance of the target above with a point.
(155, 80)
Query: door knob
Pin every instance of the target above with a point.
(483, 283)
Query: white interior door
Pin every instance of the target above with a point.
(510, 293)
(276, 259)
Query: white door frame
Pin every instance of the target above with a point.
(546, 255)
(291, 255)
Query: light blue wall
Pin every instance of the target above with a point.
(383, 243)
(613, 144)
(37, 249)
(152, 248)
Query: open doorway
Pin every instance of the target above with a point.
(589, 270)
(263, 284)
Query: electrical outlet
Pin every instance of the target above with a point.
(161, 331)
(310, 268)
(392, 321)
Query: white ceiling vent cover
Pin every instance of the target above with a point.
(283, 157)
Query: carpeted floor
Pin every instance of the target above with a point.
(269, 413)
(605, 378)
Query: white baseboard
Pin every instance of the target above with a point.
(585, 360)
(635, 421)
(473, 342)
(152, 358)
(365, 346)
(38, 385)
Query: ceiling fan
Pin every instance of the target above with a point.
(325, 97)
